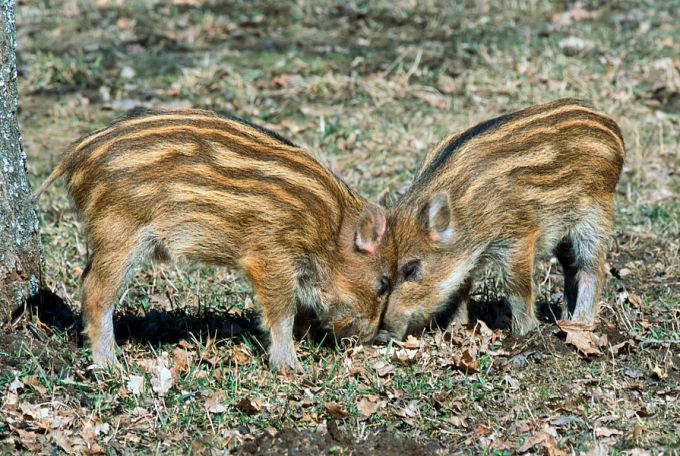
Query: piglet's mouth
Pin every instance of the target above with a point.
(359, 332)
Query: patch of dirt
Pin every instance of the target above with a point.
(9, 344)
(333, 441)
(25, 342)
(542, 342)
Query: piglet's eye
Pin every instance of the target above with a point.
(411, 271)
(383, 285)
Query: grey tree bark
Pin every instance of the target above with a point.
(20, 250)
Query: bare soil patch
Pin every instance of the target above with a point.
(332, 441)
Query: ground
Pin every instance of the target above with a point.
(369, 87)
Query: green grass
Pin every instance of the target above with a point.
(333, 78)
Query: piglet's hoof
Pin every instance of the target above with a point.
(104, 357)
(285, 364)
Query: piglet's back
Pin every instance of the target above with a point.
(195, 173)
(542, 140)
(547, 154)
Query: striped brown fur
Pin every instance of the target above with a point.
(540, 179)
(205, 188)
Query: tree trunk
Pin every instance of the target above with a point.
(20, 250)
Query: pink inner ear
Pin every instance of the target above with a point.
(368, 248)
(380, 228)
(370, 245)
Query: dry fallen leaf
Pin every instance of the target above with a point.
(481, 331)
(579, 14)
(16, 385)
(632, 372)
(513, 383)
(123, 22)
(579, 334)
(91, 430)
(623, 272)
(537, 438)
(383, 368)
(466, 362)
(582, 342)
(335, 410)
(412, 410)
(368, 405)
(33, 411)
(550, 446)
(240, 355)
(405, 357)
(162, 301)
(182, 359)
(575, 325)
(249, 406)
(525, 426)
(284, 81)
(162, 378)
(576, 14)
(481, 430)
(638, 452)
(186, 344)
(60, 438)
(637, 431)
(635, 300)
(412, 342)
(457, 421)
(564, 420)
(215, 402)
(659, 373)
(623, 347)
(33, 442)
(135, 384)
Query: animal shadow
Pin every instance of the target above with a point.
(497, 313)
(152, 328)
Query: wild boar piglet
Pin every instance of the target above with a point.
(194, 185)
(538, 180)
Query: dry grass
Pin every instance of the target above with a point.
(369, 87)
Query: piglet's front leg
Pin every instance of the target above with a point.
(282, 356)
(274, 283)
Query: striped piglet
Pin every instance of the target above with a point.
(540, 179)
(191, 184)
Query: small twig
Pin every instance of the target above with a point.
(547, 274)
(167, 279)
(392, 66)
(658, 341)
(414, 67)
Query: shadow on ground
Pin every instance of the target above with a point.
(333, 441)
(169, 327)
(497, 313)
(155, 327)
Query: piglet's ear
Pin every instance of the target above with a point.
(436, 216)
(388, 198)
(370, 229)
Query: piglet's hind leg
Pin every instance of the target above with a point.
(585, 263)
(100, 289)
(114, 256)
